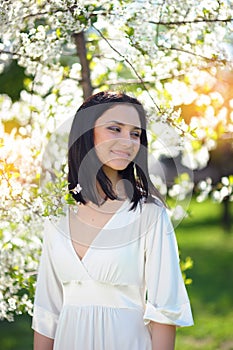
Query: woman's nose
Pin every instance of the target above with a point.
(125, 139)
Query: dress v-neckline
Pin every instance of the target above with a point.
(89, 248)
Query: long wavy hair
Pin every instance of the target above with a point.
(85, 167)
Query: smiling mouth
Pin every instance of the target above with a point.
(121, 154)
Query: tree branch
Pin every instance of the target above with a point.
(38, 14)
(204, 20)
(139, 82)
(70, 9)
(6, 52)
(209, 59)
(214, 20)
(128, 62)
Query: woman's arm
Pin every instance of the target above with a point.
(163, 336)
(42, 343)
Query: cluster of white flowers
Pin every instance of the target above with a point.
(204, 187)
(178, 213)
(209, 128)
(39, 45)
(20, 209)
(219, 192)
(168, 45)
(28, 161)
(165, 140)
(37, 32)
(142, 41)
(24, 170)
(159, 184)
(181, 193)
(53, 101)
(182, 188)
(224, 190)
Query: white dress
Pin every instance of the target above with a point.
(129, 276)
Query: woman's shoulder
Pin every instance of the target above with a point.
(56, 222)
(153, 203)
(157, 217)
(151, 210)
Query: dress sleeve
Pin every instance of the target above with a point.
(48, 295)
(167, 301)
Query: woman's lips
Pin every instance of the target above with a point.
(122, 154)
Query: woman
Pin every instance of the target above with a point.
(109, 275)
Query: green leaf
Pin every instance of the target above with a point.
(129, 31)
(193, 132)
(231, 180)
(58, 33)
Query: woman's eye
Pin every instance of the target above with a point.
(114, 128)
(135, 134)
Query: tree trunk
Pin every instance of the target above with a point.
(226, 214)
(80, 42)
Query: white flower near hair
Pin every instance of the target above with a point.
(77, 189)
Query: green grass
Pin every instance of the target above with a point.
(201, 237)
(16, 335)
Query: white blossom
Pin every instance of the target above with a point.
(159, 184)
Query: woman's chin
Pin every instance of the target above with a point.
(119, 164)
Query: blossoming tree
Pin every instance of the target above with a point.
(161, 51)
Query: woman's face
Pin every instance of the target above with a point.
(117, 136)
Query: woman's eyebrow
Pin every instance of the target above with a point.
(122, 124)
